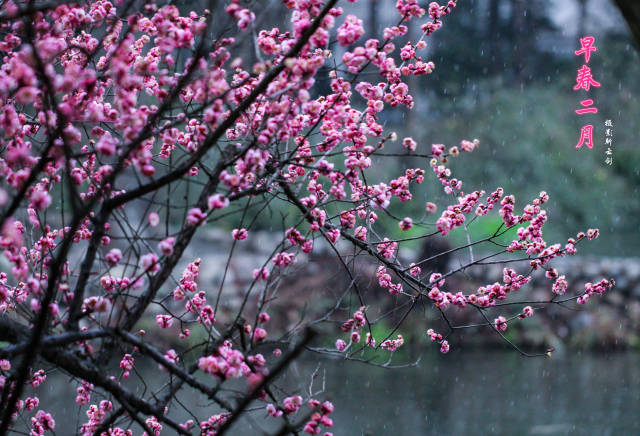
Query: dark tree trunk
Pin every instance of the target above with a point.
(373, 18)
(518, 25)
(631, 12)
(492, 35)
(582, 5)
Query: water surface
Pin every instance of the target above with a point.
(462, 393)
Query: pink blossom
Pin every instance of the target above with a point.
(96, 304)
(195, 216)
(30, 403)
(500, 323)
(239, 234)
(593, 233)
(434, 336)
(113, 257)
(154, 219)
(259, 334)
(149, 263)
(166, 245)
(414, 270)
(361, 233)
(560, 286)
(38, 378)
(292, 404)
(387, 248)
(108, 283)
(333, 235)
(126, 364)
(164, 321)
(272, 411)
(40, 199)
(409, 144)
(44, 420)
(405, 224)
(283, 259)
(217, 201)
(527, 311)
(84, 393)
(261, 274)
(228, 363)
(244, 17)
(350, 31)
(444, 347)
(106, 144)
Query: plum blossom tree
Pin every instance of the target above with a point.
(127, 126)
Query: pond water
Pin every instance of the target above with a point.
(462, 393)
(494, 393)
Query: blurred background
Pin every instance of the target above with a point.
(505, 71)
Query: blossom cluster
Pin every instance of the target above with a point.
(126, 129)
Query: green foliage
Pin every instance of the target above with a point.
(481, 228)
(527, 145)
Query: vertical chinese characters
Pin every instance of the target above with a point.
(584, 81)
(608, 142)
